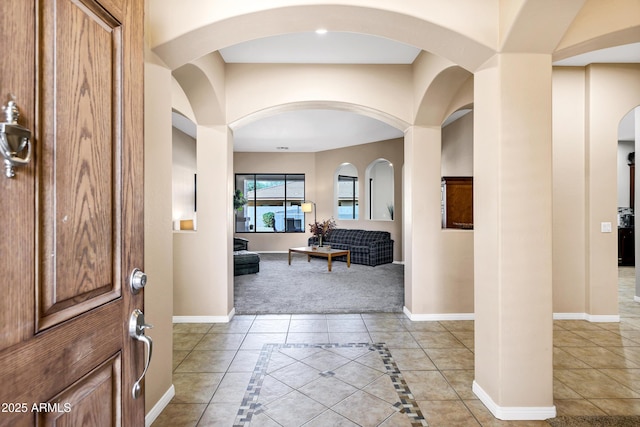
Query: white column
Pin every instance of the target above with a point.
(422, 220)
(203, 265)
(512, 245)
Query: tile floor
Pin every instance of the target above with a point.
(225, 375)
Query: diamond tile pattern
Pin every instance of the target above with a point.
(381, 369)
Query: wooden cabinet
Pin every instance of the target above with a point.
(457, 202)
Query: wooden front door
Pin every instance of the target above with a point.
(71, 223)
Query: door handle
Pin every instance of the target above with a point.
(136, 331)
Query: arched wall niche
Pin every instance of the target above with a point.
(379, 189)
(346, 192)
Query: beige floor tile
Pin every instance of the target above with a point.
(233, 327)
(445, 413)
(571, 407)
(562, 338)
(364, 409)
(562, 391)
(328, 390)
(465, 337)
(184, 341)
(618, 406)
(383, 388)
(600, 357)
(395, 339)
(346, 325)
(330, 418)
(437, 340)
(180, 414)
(397, 419)
(308, 325)
(257, 341)
(429, 385)
(627, 377)
(347, 337)
(293, 409)
(220, 342)
(357, 374)
(178, 357)
(462, 382)
(218, 415)
(606, 338)
(195, 387)
(428, 326)
(272, 389)
(244, 361)
(383, 324)
(410, 359)
(308, 338)
(206, 361)
(564, 360)
(592, 384)
(325, 360)
(451, 358)
(262, 325)
(232, 388)
(373, 360)
(296, 375)
(192, 328)
(458, 325)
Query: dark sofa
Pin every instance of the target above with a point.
(244, 262)
(367, 247)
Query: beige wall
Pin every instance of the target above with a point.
(588, 106)
(183, 171)
(158, 242)
(457, 147)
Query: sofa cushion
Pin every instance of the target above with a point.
(245, 257)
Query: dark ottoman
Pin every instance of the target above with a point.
(245, 262)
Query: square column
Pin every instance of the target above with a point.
(512, 245)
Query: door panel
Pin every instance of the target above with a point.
(72, 221)
(79, 152)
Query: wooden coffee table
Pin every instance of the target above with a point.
(321, 252)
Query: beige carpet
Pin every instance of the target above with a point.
(599, 421)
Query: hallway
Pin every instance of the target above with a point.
(224, 374)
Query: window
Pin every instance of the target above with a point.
(347, 191)
(273, 203)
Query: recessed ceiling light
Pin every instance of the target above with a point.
(321, 31)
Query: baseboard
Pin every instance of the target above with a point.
(159, 406)
(398, 262)
(595, 318)
(437, 316)
(513, 412)
(205, 319)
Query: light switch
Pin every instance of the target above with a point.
(605, 227)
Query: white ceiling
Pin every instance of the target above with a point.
(317, 129)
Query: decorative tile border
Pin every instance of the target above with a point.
(250, 406)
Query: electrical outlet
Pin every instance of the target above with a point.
(605, 227)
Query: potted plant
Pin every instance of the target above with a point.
(322, 229)
(239, 200)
